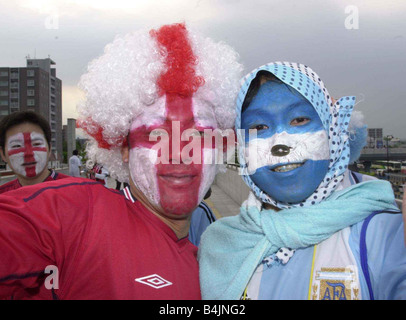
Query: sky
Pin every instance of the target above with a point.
(357, 47)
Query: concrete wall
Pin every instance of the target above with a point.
(232, 184)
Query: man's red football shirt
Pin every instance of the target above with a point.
(15, 184)
(103, 246)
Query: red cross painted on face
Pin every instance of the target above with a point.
(180, 179)
(27, 152)
(174, 183)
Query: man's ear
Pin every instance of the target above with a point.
(125, 152)
(49, 152)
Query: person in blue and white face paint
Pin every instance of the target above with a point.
(302, 148)
(290, 156)
(310, 228)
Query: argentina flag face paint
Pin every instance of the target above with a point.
(301, 148)
(290, 155)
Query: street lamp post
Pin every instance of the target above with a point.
(387, 139)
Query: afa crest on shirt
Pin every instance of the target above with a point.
(335, 284)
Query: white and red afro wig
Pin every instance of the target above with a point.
(138, 68)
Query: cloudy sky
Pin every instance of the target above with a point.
(358, 47)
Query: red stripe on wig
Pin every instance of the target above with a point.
(180, 76)
(88, 125)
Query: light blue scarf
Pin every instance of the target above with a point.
(232, 247)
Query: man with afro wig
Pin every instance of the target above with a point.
(150, 99)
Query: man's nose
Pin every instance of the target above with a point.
(177, 155)
(280, 150)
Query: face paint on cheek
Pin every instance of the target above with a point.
(209, 171)
(143, 172)
(41, 158)
(30, 156)
(295, 176)
(205, 119)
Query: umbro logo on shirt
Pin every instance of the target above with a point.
(155, 281)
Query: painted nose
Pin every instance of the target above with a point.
(280, 150)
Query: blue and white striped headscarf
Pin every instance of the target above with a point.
(334, 116)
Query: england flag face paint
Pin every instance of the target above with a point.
(289, 156)
(27, 153)
(172, 168)
(168, 162)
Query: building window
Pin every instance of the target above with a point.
(3, 93)
(30, 73)
(30, 83)
(30, 92)
(30, 102)
(3, 73)
(3, 113)
(3, 103)
(3, 83)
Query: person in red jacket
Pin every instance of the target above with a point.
(25, 146)
(150, 98)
